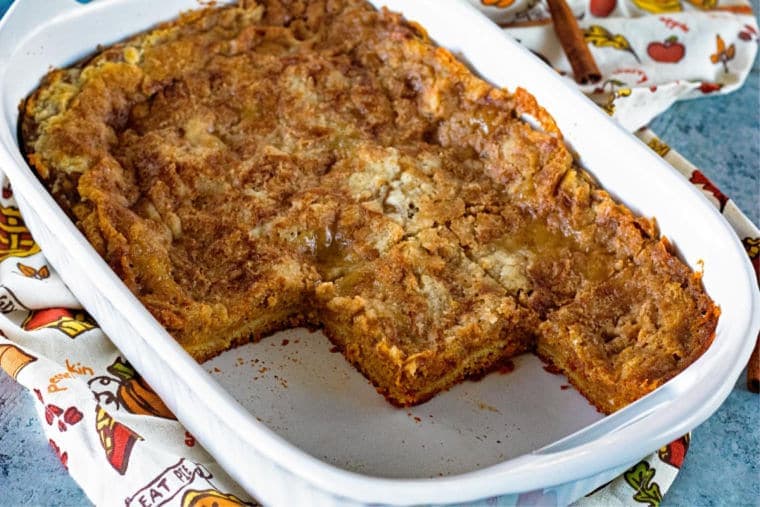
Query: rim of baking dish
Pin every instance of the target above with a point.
(670, 411)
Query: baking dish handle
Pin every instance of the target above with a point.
(632, 414)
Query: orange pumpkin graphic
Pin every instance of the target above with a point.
(210, 498)
(131, 391)
(135, 394)
(498, 3)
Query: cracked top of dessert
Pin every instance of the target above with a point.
(276, 163)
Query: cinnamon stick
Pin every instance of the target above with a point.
(571, 38)
(753, 369)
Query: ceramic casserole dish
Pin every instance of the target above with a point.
(325, 437)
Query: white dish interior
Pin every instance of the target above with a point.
(328, 437)
(316, 400)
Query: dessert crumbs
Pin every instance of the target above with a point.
(507, 366)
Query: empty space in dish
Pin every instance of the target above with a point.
(297, 385)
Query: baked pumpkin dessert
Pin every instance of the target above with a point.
(279, 163)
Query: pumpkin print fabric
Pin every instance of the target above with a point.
(651, 53)
(122, 444)
(107, 426)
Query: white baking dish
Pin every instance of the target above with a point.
(317, 436)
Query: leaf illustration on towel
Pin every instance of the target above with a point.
(53, 413)
(602, 38)
(752, 246)
(748, 34)
(31, 272)
(617, 89)
(498, 3)
(709, 189)
(63, 456)
(707, 87)
(639, 477)
(658, 146)
(722, 53)
(659, 6)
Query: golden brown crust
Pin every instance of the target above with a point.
(265, 165)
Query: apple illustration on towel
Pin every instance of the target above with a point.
(667, 51)
(602, 8)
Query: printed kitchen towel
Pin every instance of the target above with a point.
(123, 446)
(651, 53)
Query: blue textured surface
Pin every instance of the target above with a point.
(30, 473)
(721, 135)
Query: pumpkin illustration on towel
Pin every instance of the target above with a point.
(128, 390)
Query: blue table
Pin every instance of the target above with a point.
(721, 136)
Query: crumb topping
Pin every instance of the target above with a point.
(281, 162)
